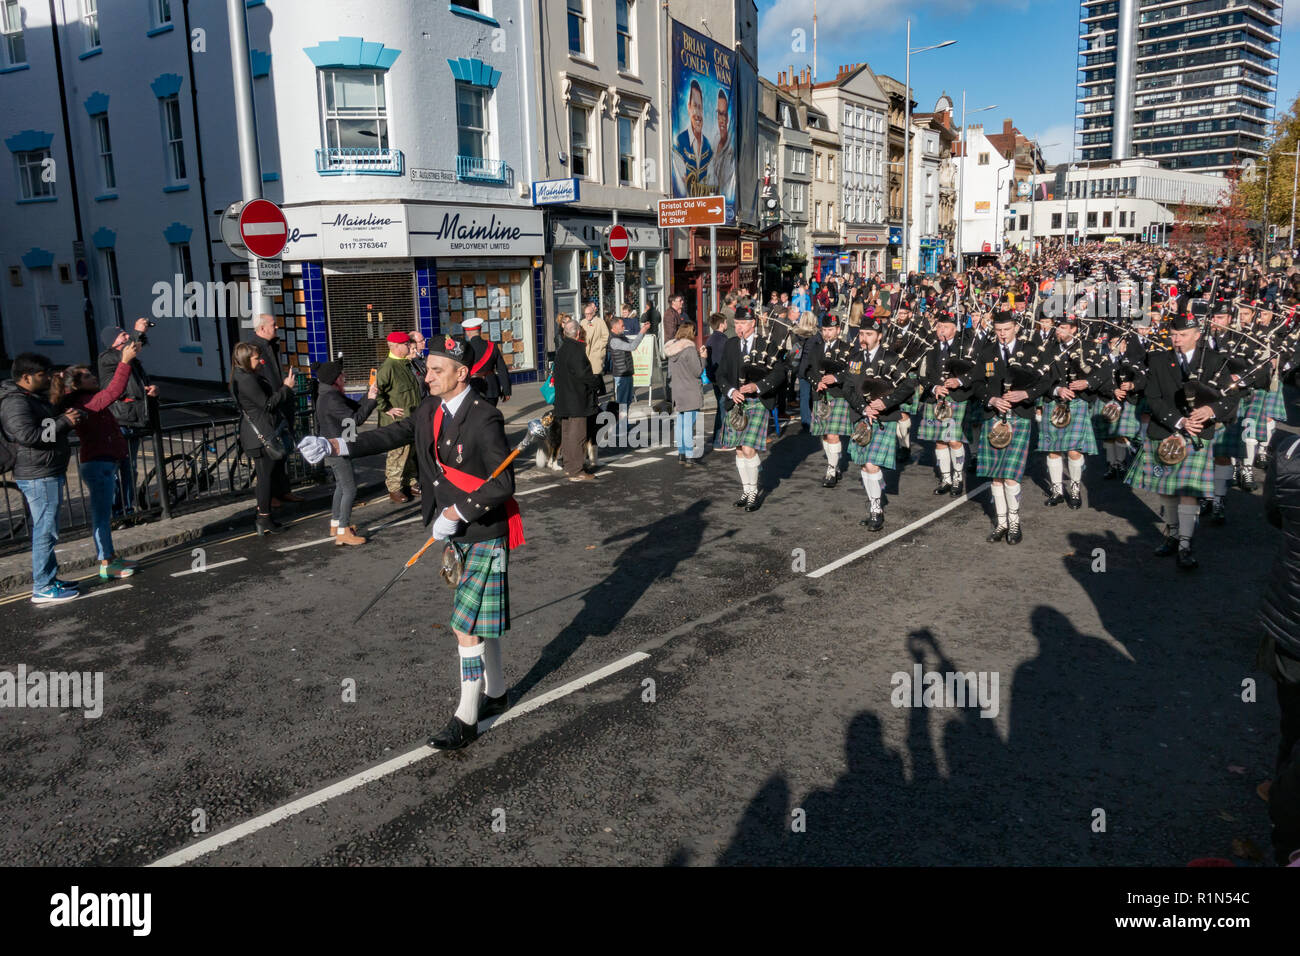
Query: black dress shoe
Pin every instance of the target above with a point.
(943, 489)
(904, 455)
(455, 735)
(744, 500)
(1013, 534)
(1074, 500)
(1206, 505)
(751, 503)
(1217, 514)
(958, 489)
(1186, 560)
(268, 525)
(997, 534)
(875, 520)
(831, 478)
(1057, 497)
(491, 706)
(1112, 471)
(1167, 548)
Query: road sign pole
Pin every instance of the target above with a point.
(713, 269)
(250, 166)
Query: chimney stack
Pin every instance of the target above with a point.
(1006, 127)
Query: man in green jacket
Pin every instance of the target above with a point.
(399, 394)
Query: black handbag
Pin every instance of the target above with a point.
(272, 447)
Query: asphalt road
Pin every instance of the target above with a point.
(744, 715)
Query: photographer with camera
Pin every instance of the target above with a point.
(40, 436)
(131, 411)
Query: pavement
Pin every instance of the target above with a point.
(691, 685)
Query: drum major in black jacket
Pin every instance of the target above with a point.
(750, 374)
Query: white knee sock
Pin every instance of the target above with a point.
(832, 450)
(904, 431)
(740, 470)
(471, 682)
(1169, 511)
(1054, 470)
(958, 459)
(494, 678)
(943, 454)
(871, 481)
(1000, 502)
(1012, 490)
(750, 474)
(1076, 468)
(1222, 476)
(1268, 431)
(1251, 445)
(1187, 516)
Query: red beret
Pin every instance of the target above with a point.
(398, 338)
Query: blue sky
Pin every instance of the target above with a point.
(1017, 54)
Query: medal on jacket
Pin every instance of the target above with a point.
(460, 456)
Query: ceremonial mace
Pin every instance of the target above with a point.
(537, 429)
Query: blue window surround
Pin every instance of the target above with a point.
(29, 140)
(89, 53)
(166, 84)
(106, 197)
(104, 238)
(351, 53)
(24, 202)
(35, 258)
(472, 14)
(97, 104)
(270, 177)
(159, 31)
(475, 72)
(177, 234)
(178, 188)
(15, 69)
(253, 3)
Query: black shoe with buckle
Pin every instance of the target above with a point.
(944, 488)
(1186, 560)
(832, 476)
(875, 519)
(958, 487)
(491, 706)
(1075, 498)
(1247, 477)
(1168, 547)
(1057, 497)
(1013, 529)
(997, 534)
(744, 500)
(455, 735)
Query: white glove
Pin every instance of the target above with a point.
(315, 448)
(444, 527)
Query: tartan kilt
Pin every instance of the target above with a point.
(1263, 404)
(481, 605)
(840, 422)
(954, 429)
(1126, 426)
(1227, 441)
(1144, 407)
(912, 405)
(1076, 436)
(755, 433)
(883, 448)
(1194, 477)
(1009, 463)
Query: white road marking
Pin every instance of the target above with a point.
(262, 821)
(876, 545)
(89, 594)
(305, 544)
(533, 491)
(635, 464)
(219, 564)
(378, 527)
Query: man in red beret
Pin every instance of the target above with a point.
(399, 394)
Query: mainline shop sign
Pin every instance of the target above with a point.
(401, 230)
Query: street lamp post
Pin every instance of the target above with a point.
(961, 181)
(907, 135)
(1033, 197)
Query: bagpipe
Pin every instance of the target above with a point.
(834, 361)
(955, 366)
(1078, 359)
(876, 387)
(768, 351)
(1024, 369)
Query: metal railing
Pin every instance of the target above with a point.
(478, 170)
(170, 470)
(359, 160)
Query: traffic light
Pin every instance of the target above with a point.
(1144, 234)
(1272, 233)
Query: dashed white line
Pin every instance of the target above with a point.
(876, 545)
(533, 491)
(305, 544)
(207, 567)
(262, 821)
(635, 464)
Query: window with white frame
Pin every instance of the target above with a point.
(473, 136)
(31, 181)
(355, 108)
(90, 23)
(114, 286)
(184, 267)
(49, 321)
(817, 216)
(830, 216)
(578, 27)
(818, 164)
(623, 21)
(848, 115)
(104, 146)
(984, 159)
(627, 151)
(830, 168)
(798, 197)
(174, 137)
(11, 23)
(160, 11)
(580, 142)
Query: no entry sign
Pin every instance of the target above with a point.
(263, 228)
(618, 242)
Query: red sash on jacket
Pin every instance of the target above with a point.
(467, 483)
(488, 353)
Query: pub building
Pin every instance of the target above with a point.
(692, 273)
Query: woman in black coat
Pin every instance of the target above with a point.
(259, 407)
(576, 388)
(338, 416)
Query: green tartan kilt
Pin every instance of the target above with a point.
(883, 448)
(954, 429)
(481, 605)
(1076, 436)
(1126, 426)
(1227, 441)
(912, 405)
(840, 422)
(755, 433)
(1263, 405)
(1009, 463)
(1194, 477)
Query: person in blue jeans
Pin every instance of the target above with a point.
(713, 352)
(685, 363)
(39, 434)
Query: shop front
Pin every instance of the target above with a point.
(932, 250)
(582, 272)
(356, 272)
(867, 252)
(826, 260)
